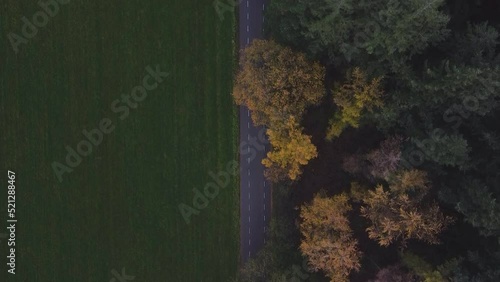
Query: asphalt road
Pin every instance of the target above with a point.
(255, 192)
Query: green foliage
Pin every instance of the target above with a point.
(444, 149)
(476, 268)
(476, 46)
(448, 268)
(422, 268)
(337, 125)
(473, 89)
(353, 98)
(449, 95)
(383, 31)
(477, 203)
(491, 138)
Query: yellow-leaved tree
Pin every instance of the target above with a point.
(327, 237)
(352, 98)
(291, 150)
(275, 82)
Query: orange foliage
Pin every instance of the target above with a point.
(327, 237)
(401, 213)
(275, 82)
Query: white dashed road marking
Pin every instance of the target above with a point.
(248, 137)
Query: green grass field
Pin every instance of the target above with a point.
(118, 208)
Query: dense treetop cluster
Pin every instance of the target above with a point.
(398, 102)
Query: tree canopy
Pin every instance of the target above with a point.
(275, 83)
(400, 213)
(348, 31)
(352, 98)
(327, 237)
(291, 150)
(413, 97)
(278, 85)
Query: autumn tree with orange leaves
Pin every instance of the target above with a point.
(275, 82)
(277, 85)
(401, 213)
(327, 237)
